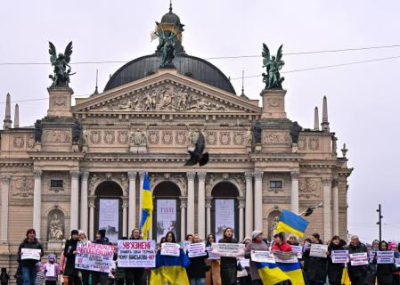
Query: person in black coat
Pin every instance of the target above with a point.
(100, 277)
(134, 275)
(228, 264)
(315, 267)
(384, 272)
(197, 269)
(335, 270)
(357, 274)
(70, 250)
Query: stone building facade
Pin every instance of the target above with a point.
(82, 166)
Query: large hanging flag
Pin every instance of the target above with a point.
(289, 222)
(147, 207)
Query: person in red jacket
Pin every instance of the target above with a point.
(280, 244)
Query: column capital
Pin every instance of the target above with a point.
(248, 175)
(335, 182)
(327, 181)
(190, 175)
(201, 175)
(241, 201)
(295, 175)
(183, 201)
(5, 179)
(74, 174)
(141, 174)
(37, 173)
(85, 175)
(258, 174)
(132, 175)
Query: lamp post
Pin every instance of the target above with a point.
(379, 210)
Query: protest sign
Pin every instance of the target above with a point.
(211, 255)
(262, 256)
(228, 249)
(244, 262)
(372, 254)
(50, 270)
(196, 249)
(94, 257)
(358, 259)
(340, 256)
(170, 249)
(136, 253)
(285, 257)
(385, 257)
(298, 250)
(184, 244)
(30, 253)
(318, 250)
(397, 262)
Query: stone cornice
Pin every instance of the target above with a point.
(275, 157)
(56, 156)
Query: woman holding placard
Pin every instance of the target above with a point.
(30, 251)
(134, 275)
(258, 244)
(335, 267)
(384, 270)
(315, 266)
(197, 269)
(228, 264)
(213, 276)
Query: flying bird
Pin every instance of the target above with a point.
(311, 209)
(198, 155)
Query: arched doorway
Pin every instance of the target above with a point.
(109, 209)
(166, 213)
(273, 219)
(224, 209)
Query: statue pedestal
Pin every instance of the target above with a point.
(60, 102)
(55, 245)
(138, 149)
(273, 104)
(38, 146)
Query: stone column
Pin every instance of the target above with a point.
(249, 203)
(294, 197)
(258, 203)
(91, 217)
(132, 199)
(37, 201)
(183, 217)
(74, 212)
(125, 216)
(327, 182)
(201, 205)
(84, 201)
(241, 217)
(208, 207)
(190, 202)
(335, 191)
(5, 189)
(141, 175)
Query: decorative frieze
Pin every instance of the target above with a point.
(109, 137)
(18, 141)
(310, 188)
(56, 136)
(22, 187)
(276, 137)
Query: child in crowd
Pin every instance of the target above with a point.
(51, 270)
(39, 276)
(4, 277)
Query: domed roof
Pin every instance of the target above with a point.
(171, 18)
(187, 65)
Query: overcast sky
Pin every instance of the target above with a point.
(363, 99)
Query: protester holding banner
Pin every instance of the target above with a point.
(280, 244)
(30, 252)
(384, 271)
(134, 275)
(213, 276)
(335, 270)
(315, 267)
(293, 240)
(371, 274)
(258, 244)
(84, 274)
(357, 273)
(70, 250)
(99, 277)
(228, 264)
(51, 270)
(197, 269)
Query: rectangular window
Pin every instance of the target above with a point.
(274, 184)
(56, 183)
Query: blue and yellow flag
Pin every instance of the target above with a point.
(272, 274)
(170, 270)
(289, 222)
(147, 207)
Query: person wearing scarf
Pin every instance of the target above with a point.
(335, 270)
(228, 264)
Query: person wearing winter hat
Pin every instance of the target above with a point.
(70, 250)
(51, 270)
(256, 243)
(99, 277)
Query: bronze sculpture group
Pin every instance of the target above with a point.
(60, 62)
(272, 78)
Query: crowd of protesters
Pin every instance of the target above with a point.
(211, 271)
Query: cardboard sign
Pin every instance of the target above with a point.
(30, 253)
(340, 256)
(196, 249)
(244, 262)
(358, 259)
(94, 257)
(50, 270)
(212, 256)
(170, 249)
(262, 256)
(318, 250)
(385, 257)
(285, 257)
(298, 250)
(228, 249)
(136, 253)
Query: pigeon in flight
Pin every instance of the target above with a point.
(198, 155)
(311, 209)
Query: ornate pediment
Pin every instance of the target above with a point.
(166, 93)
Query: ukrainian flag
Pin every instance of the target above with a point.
(272, 274)
(147, 207)
(289, 222)
(170, 270)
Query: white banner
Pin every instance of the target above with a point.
(228, 249)
(358, 259)
(340, 256)
(30, 253)
(318, 250)
(285, 257)
(166, 217)
(212, 256)
(94, 257)
(109, 218)
(196, 249)
(262, 256)
(298, 250)
(170, 249)
(397, 262)
(224, 216)
(385, 257)
(136, 253)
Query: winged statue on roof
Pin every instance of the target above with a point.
(60, 63)
(272, 78)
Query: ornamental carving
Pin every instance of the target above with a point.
(154, 137)
(238, 138)
(302, 144)
(276, 138)
(212, 138)
(57, 136)
(22, 187)
(180, 137)
(109, 137)
(237, 179)
(30, 141)
(95, 137)
(274, 103)
(178, 178)
(59, 102)
(96, 179)
(313, 143)
(225, 138)
(18, 141)
(310, 188)
(123, 137)
(167, 137)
